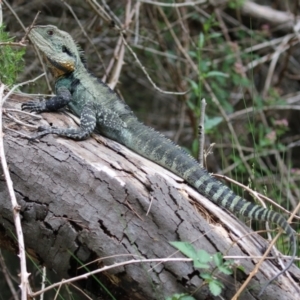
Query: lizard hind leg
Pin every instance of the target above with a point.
(87, 126)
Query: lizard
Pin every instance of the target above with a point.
(101, 110)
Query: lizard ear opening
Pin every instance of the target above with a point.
(64, 49)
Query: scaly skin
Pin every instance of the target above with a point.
(101, 110)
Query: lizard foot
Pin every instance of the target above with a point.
(34, 106)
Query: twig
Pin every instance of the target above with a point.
(80, 291)
(44, 272)
(119, 54)
(174, 4)
(19, 44)
(24, 112)
(29, 28)
(148, 210)
(24, 286)
(19, 133)
(20, 122)
(86, 275)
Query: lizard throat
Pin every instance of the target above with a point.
(59, 69)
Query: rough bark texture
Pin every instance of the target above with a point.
(89, 200)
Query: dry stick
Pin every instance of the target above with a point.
(80, 291)
(121, 51)
(268, 57)
(111, 14)
(174, 4)
(99, 10)
(16, 208)
(111, 62)
(137, 23)
(86, 275)
(256, 269)
(23, 112)
(201, 132)
(44, 272)
(15, 15)
(23, 40)
(12, 44)
(19, 122)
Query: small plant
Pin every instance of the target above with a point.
(180, 297)
(11, 60)
(201, 260)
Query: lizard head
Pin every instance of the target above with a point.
(59, 49)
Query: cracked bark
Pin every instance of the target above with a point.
(89, 200)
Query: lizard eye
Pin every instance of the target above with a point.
(50, 32)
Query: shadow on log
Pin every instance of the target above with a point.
(88, 200)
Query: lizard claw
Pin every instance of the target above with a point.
(34, 106)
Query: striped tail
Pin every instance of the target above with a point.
(156, 147)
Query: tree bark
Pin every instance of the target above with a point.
(88, 200)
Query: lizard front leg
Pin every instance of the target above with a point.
(62, 98)
(87, 126)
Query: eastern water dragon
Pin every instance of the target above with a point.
(101, 110)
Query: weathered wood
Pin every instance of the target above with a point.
(89, 199)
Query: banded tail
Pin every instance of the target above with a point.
(156, 147)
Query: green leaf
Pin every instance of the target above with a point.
(202, 259)
(194, 86)
(180, 297)
(242, 268)
(203, 256)
(218, 259)
(191, 105)
(186, 248)
(216, 74)
(206, 276)
(201, 40)
(215, 287)
(199, 265)
(210, 123)
(225, 270)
